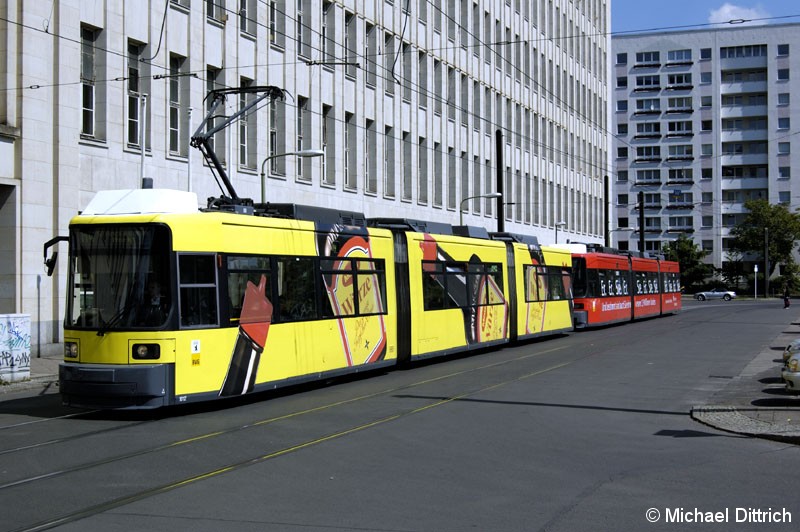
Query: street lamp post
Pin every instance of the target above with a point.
(461, 207)
(619, 229)
(559, 224)
(299, 153)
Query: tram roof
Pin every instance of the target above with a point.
(320, 215)
(410, 224)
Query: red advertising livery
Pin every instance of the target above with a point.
(611, 286)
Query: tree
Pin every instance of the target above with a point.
(770, 226)
(690, 257)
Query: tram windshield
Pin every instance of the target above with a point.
(119, 277)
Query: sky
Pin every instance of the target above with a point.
(657, 15)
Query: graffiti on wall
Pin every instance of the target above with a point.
(15, 347)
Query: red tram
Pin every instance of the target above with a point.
(611, 286)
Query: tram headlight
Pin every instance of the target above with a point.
(146, 351)
(794, 364)
(70, 349)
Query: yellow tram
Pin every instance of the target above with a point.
(168, 304)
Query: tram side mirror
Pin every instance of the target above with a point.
(50, 263)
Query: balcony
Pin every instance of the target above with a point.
(743, 135)
(744, 159)
(742, 111)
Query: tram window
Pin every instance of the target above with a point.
(432, 286)
(555, 284)
(296, 294)
(241, 270)
(531, 284)
(198, 290)
(344, 278)
(455, 285)
(371, 279)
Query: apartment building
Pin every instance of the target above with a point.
(704, 121)
(422, 109)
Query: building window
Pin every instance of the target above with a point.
(706, 125)
(706, 101)
(350, 42)
(647, 58)
(406, 164)
(783, 98)
(706, 173)
(388, 60)
(755, 50)
(622, 59)
(247, 128)
(705, 77)
(277, 143)
(783, 49)
(679, 56)
(277, 23)
(679, 81)
(370, 50)
(648, 129)
(622, 175)
(178, 107)
(302, 30)
(247, 16)
(422, 172)
(705, 53)
(784, 148)
(214, 81)
(137, 82)
(784, 172)
(622, 105)
(370, 171)
(707, 150)
(707, 198)
(328, 36)
(648, 83)
(350, 152)
(784, 197)
(622, 82)
(648, 106)
(89, 76)
(303, 132)
(388, 163)
(707, 221)
(783, 74)
(329, 147)
(215, 10)
(622, 129)
(783, 122)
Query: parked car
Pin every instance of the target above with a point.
(791, 373)
(790, 350)
(716, 293)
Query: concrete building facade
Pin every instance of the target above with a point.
(406, 99)
(704, 121)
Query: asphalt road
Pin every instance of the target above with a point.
(587, 431)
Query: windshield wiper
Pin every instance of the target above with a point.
(114, 319)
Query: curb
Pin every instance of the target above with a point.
(732, 419)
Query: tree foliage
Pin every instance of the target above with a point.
(690, 257)
(770, 226)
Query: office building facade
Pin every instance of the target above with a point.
(704, 121)
(412, 103)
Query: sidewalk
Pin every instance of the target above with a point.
(755, 403)
(44, 376)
